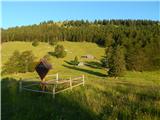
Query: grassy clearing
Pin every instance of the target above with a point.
(73, 49)
(59, 65)
(134, 96)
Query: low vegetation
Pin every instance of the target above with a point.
(20, 63)
(59, 51)
(74, 62)
(35, 43)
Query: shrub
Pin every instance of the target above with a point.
(53, 43)
(59, 51)
(26, 59)
(75, 61)
(22, 63)
(12, 65)
(35, 43)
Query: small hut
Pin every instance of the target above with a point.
(88, 56)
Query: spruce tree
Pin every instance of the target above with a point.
(116, 62)
(76, 61)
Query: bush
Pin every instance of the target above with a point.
(59, 51)
(21, 63)
(26, 60)
(35, 43)
(75, 62)
(12, 65)
(53, 43)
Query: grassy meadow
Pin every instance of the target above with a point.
(135, 96)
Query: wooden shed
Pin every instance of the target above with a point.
(88, 56)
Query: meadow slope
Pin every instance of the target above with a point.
(133, 96)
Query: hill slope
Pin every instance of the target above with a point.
(134, 96)
(73, 49)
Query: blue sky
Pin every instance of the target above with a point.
(26, 13)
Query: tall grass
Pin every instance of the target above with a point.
(99, 99)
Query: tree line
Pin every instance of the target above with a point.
(135, 43)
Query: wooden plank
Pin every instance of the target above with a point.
(83, 79)
(20, 85)
(30, 85)
(57, 77)
(77, 78)
(54, 90)
(36, 90)
(68, 88)
(62, 90)
(77, 85)
(70, 83)
(51, 75)
(64, 81)
(26, 81)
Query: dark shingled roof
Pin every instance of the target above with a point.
(43, 67)
(46, 63)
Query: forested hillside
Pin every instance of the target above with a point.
(137, 41)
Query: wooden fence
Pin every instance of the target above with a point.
(54, 82)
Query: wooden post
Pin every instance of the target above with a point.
(83, 79)
(54, 90)
(43, 85)
(20, 85)
(57, 77)
(70, 83)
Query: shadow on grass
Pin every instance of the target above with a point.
(51, 53)
(70, 62)
(37, 106)
(93, 64)
(86, 71)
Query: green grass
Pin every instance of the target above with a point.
(136, 96)
(73, 48)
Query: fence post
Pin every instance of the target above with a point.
(83, 79)
(70, 83)
(57, 77)
(20, 85)
(54, 91)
